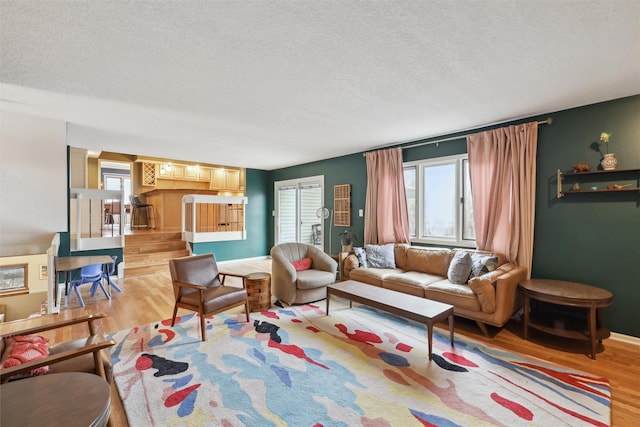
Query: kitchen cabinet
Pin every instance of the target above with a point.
(225, 180)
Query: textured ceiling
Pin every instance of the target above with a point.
(268, 84)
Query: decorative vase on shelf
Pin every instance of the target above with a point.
(609, 162)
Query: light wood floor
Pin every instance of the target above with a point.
(146, 299)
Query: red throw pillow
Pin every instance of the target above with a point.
(21, 349)
(302, 264)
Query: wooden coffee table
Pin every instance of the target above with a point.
(421, 310)
(568, 294)
(64, 399)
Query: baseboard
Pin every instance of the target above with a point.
(257, 258)
(629, 339)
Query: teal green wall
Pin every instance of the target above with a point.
(593, 239)
(256, 220)
(350, 169)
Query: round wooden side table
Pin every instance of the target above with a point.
(568, 294)
(64, 399)
(259, 291)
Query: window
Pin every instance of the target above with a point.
(14, 279)
(439, 201)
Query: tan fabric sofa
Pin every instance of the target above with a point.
(422, 271)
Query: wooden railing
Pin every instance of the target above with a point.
(213, 218)
(91, 226)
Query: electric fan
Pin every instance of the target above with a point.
(325, 213)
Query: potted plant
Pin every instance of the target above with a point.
(347, 237)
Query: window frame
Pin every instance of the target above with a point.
(420, 165)
(24, 289)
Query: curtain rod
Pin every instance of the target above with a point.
(548, 121)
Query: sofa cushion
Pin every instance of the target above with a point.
(410, 282)
(311, 279)
(380, 256)
(429, 260)
(372, 276)
(482, 264)
(460, 296)
(486, 293)
(400, 253)
(460, 268)
(361, 254)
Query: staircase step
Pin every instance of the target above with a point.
(144, 238)
(154, 247)
(149, 253)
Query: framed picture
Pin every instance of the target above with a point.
(42, 272)
(14, 279)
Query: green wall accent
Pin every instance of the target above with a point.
(349, 169)
(592, 239)
(256, 220)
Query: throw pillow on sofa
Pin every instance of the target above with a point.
(460, 268)
(482, 264)
(380, 256)
(361, 254)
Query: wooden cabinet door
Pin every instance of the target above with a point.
(178, 171)
(218, 179)
(233, 180)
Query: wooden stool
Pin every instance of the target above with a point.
(259, 291)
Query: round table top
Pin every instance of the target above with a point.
(64, 399)
(567, 290)
(257, 276)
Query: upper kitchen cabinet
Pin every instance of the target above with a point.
(224, 179)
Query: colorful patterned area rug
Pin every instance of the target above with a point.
(296, 366)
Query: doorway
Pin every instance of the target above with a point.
(296, 205)
(116, 176)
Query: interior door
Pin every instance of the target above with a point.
(297, 202)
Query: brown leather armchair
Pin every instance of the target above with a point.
(90, 354)
(197, 287)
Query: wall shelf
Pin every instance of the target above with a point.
(599, 175)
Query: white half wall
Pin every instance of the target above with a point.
(33, 183)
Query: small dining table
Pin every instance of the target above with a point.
(67, 264)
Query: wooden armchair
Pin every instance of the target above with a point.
(90, 354)
(198, 286)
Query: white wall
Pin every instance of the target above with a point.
(33, 183)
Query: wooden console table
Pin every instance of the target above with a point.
(567, 294)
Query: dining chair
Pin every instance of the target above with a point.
(89, 274)
(107, 276)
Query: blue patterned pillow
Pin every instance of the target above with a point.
(482, 264)
(362, 256)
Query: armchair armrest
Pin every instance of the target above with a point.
(189, 285)
(348, 262)
(507, 301)
(94, 344)
(58, 324)
(224, 277)
(322, 261)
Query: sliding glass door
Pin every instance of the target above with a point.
(297, 202)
